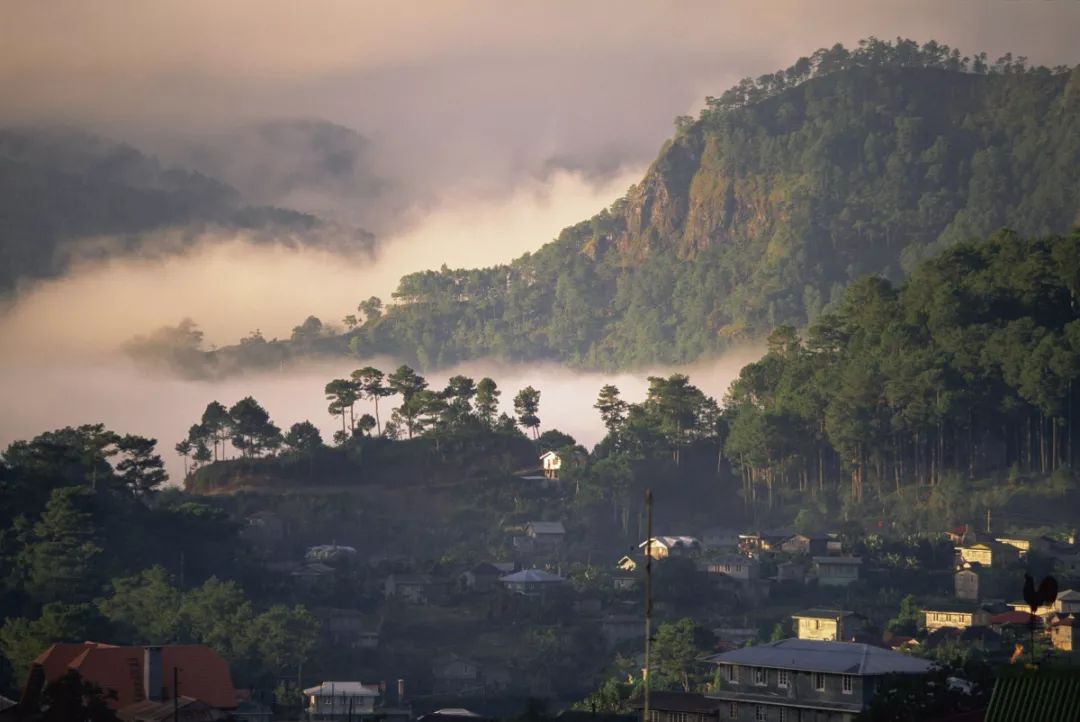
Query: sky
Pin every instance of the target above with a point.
(494, 124)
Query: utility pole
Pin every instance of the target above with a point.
(176, 693)
(648, 603)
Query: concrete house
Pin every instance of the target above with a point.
(662, 547)
(837, 571)
(989, 553)
(734, 566)
(966, 583)
(1068, 602)
(719, 537)
(1063, 634)
(800, 679)
(545, 534)
(803, 544)
(551, 462)
(531, 582)
(829, 625)
(957, 616)
(680, 707)
(339, 701)
(790, 572)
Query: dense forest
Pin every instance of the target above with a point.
(65, 193)
(756, 214)
(963, 371)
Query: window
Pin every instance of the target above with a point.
(760, 715)
(761, 676)
(733, 674)
(847, 684)
(782, 678)
(783, 714)
(678, 717)
(654, 716)
(733, 710)
(819, 681)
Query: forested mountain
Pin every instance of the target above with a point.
(63, 192)
(763, 209)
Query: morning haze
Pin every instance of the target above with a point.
(582, 361)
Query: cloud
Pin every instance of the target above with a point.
(231, 284)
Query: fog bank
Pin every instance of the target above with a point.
(232, 285)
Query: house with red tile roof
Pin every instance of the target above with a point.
(139, 674)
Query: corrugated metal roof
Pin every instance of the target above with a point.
(1036, 697)
(339, 689)
(808, 655)
(531, 576)
(547, 527)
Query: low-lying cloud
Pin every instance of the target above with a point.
(233, 284)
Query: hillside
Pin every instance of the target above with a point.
(64, 193)
(761, 211)
(758, 213)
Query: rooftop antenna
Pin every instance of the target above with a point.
(648, 602)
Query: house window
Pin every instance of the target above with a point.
(847, 684)
(760, 715)
(783, 714)
(782, 678)
(819, 681)
(678, 717)
(733, 710)
(761, 676)
(733, 674)
(654, 716)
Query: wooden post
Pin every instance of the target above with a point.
(648, 603)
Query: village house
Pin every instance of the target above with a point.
(416, 588)
(679, 707)
(766, 541)
(330, 553)
(624, 581)
(960, 535)
(455, 675)
(719, 537)
(830, 625)
(837, 571)
(662, 547)
(545, 534)
(626, 564)
(989, 553)
(966, 583)
(1021, 544)
(333, 701)
(531, 582)
(803, 544)
(1018, 621)
(134, 676)
(805, 679)
(957, 616)
(551, 462)
(1063, 634)
(734, 566)
(1068, 602)
(483, 577)
(791, 572)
